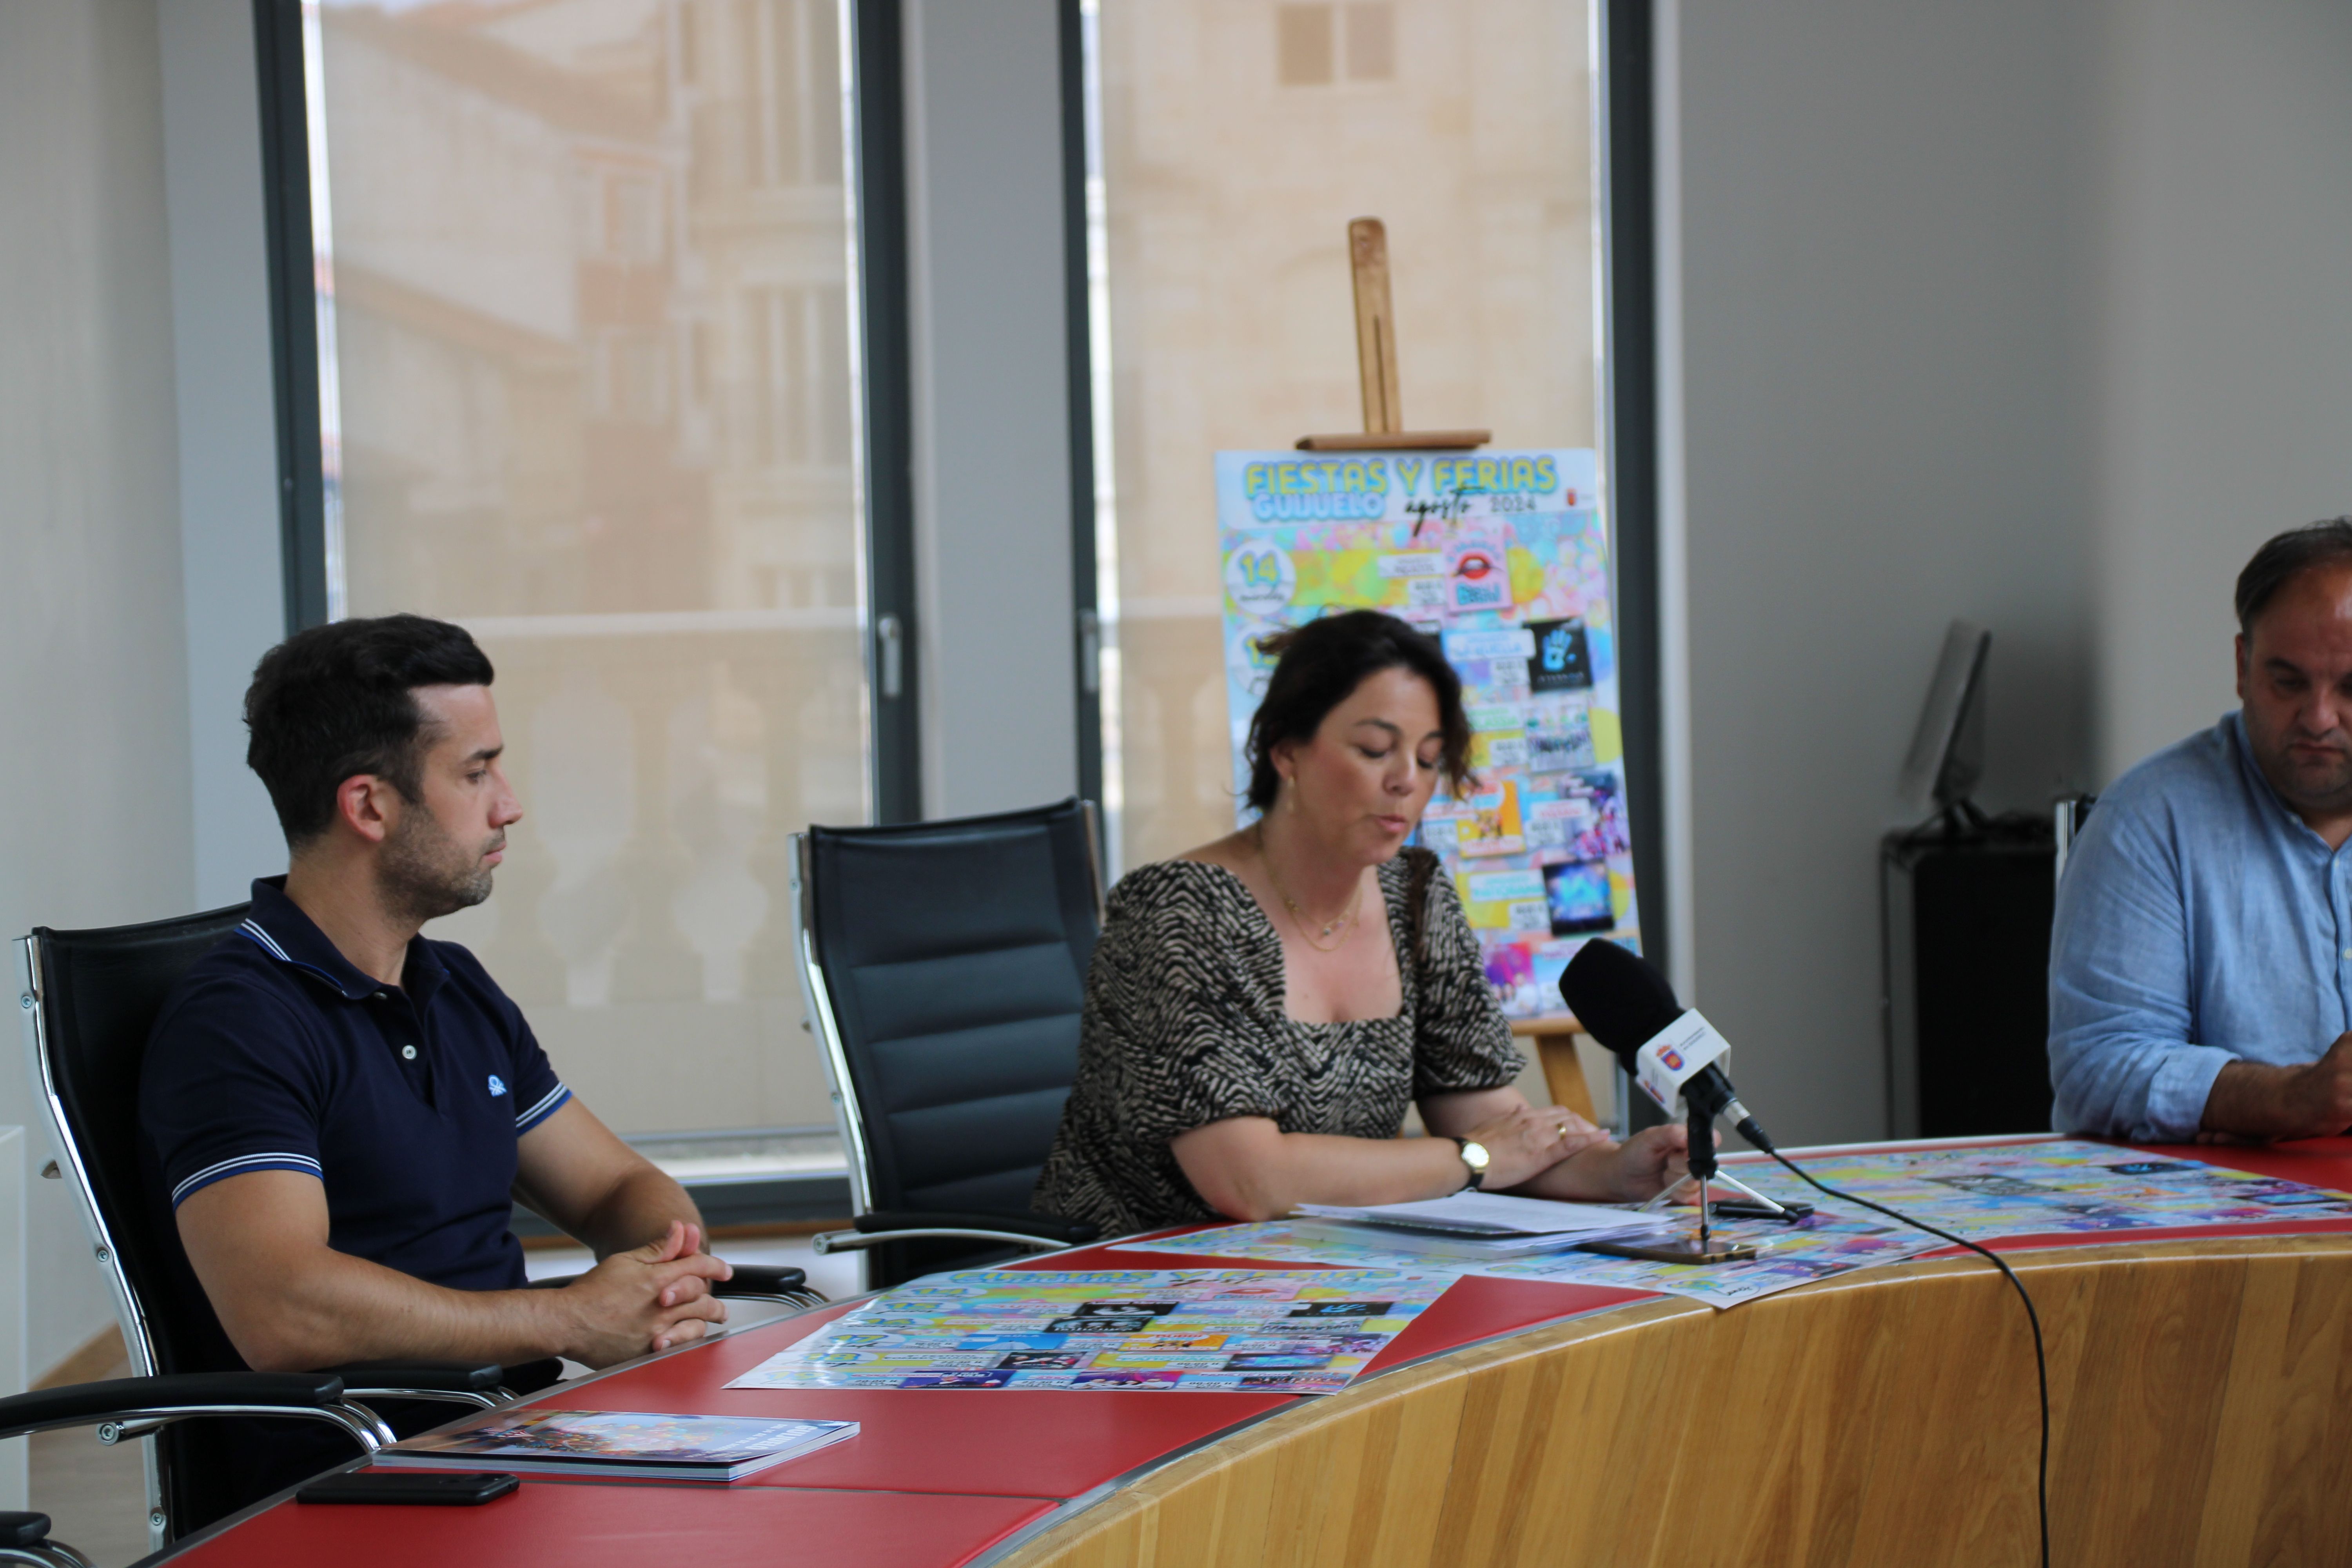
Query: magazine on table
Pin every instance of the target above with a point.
(618, 1443)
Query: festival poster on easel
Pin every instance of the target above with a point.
(1503, 556)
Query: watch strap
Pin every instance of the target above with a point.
(1477, 1176)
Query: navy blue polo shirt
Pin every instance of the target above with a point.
(406, 1102)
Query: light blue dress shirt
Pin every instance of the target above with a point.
(2200, 921)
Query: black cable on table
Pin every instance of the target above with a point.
(2041, 1361)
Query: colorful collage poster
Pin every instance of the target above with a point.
(1143, 1330)
(1504, 557)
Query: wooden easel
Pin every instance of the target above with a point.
(1376, 365)
(1376, 361)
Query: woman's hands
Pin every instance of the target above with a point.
(1526, 1140)
(1649, 1161)
(1247, 1168)
(1604, 1173)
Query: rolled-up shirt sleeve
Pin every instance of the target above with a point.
(2124, 1058)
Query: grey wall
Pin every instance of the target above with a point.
(234, 603)
(2224, 361)
(94, 769)
(991, 420)
(1884, 428)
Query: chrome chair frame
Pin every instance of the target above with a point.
(2066, 821)
(848, 1116)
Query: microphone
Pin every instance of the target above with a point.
(1623, 1001)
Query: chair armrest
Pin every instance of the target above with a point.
(425, 1376)
(25, 1538)
(23, 1529)
(1040, 1227)
(79, 1403)
(447, 1382)
(763, 1280)
(753, 1281)
(1036, 1232)
(134, 1406)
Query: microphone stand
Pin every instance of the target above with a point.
(1701, 1137)
(1701, 1164)
(1706, 1172)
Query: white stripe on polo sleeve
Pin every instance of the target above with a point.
(549, 1104)
(240, 1164)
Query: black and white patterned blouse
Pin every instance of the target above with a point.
(1184, 1026)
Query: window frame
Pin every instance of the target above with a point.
(875, 180)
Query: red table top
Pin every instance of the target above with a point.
(588, 1525)
(936, 1478)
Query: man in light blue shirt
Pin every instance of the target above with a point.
(2201, 969)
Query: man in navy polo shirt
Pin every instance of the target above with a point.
(340, 1112)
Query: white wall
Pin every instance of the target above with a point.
(232, 595)
(992, 408)
(2224, 364)
(94, 769)
(1883, 429)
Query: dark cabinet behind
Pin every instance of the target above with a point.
(1967, 932)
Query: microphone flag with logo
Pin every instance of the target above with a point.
(1624, 1002)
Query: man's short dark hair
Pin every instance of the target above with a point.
(339, 700)
(1318, 664)
(2287, 556)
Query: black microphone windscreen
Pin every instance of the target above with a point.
(1620, 997)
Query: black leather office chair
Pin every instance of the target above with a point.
(89, 999)
(943, 965)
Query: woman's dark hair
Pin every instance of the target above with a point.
(2287, 556)
(339, 700)
(1317, 665)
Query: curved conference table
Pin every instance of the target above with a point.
(2201, 1392)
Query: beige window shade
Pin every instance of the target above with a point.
(592, 350)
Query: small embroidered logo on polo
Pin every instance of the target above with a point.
(498, 1086)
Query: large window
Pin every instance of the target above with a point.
(1234, 140)
(586, 386)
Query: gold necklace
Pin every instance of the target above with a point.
(1298, 916)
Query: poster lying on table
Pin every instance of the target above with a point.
(1502, 556)
(1824, 1244)
(2051, 1188)
(1171, 1330)
(2056, 1186)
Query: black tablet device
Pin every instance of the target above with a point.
(442, 1489)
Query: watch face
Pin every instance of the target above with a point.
(1475, 1155)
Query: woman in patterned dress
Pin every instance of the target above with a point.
(1260, 1010)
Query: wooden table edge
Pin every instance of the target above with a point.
(1055, 1534)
